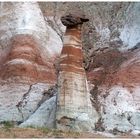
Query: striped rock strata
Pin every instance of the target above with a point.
(27, 53)
(26, 40)
(25, 64)
(74, 110)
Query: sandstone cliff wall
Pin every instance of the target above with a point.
(27, 54)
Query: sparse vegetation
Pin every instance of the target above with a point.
(7, 124)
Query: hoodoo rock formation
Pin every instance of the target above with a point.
(74, 109)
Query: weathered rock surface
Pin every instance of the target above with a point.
(116, 91)
(19, 101)
(25, 64)
(44, 116)
(27, 54)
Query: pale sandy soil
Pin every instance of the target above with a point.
(46, 133)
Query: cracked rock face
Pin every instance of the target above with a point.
(43, 116)
(21, 102)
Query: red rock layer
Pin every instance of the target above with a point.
(113, 68)
(103, 63)
(71, 56)
(24, 62)
(128, 73)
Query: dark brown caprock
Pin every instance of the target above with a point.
(73, 20)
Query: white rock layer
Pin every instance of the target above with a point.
(120, 109)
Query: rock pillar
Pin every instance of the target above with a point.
(74, 110)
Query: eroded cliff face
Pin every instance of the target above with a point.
(27, 62)
(31, 43)
(116, 90)
(114, 73)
